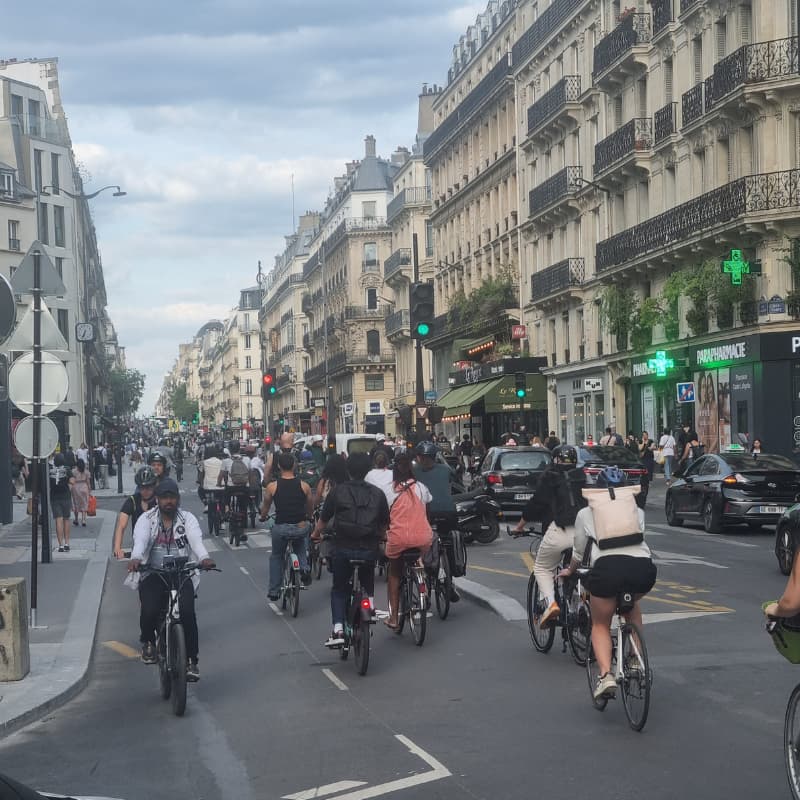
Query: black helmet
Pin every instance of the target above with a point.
(145, 477)
(565, 454)
(427, 448)
(157, 458)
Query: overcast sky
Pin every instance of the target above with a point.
(202, 110)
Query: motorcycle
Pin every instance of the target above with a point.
(478, 516)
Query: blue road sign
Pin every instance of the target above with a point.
(686, 392)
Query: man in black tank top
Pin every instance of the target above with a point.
(293, 509)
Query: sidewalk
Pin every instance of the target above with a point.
(128, 483)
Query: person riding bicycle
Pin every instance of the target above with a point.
(142, 500)
(208, 472)
(272, 468)
(555, 503)
(167, 530)
(442, 508)
(620, 561)
(294, 507)
(360, 516)
(789, 603)
(159, 464)
(234, 479)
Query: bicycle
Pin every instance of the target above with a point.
(290, 584)
(215, 509)
(629, 665)
(359, 616)
(440, 582)
(575, 616)
(413, 597)
(237, 518)
(170, 638)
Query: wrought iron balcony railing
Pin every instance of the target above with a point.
(397, 322)
(633, 30)
(540, 32)
(567, 90)
(560, 276)
(692, 104)
(686, 5)
(773, 191)
(315, 375)
(633, 137)
(405, 198)
(359, 358)
(371, 265)
(662, 14)
(665, 122)
(363, 312)
(564, 183)
(397, 260)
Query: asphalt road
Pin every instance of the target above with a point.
(474, 713)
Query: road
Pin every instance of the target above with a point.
(474, 713)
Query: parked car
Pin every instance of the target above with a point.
(509, 475)
(734, 488)
(785, 533)
(593, 459)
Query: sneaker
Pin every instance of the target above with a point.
(192, 671)
(550, 615)
(305, 578)
(273, 596)
(606, 687)
(66, 548)
(336, 639)
(149, 653)
(60, 548)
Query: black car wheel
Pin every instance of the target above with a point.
(672, 518)
(711, 517)
(784, 549)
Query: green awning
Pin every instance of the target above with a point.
(458, 402)
(502, 396)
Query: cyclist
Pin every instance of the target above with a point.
(208, 473)
(294, 506)
(789, 604)
(555, 503)
(272, 469)
(381, 475)
(142, 500)
(159, 464)
(234, 476)
(178, 451)
(614, 569)
(162, 531)
(360, 516)
(441, 509)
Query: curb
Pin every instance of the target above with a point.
(74, 655)
(501, 604)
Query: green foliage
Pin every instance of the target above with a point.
(617, 305)
(127, 387)
(646, 314)
(487, 301)
(182, 407)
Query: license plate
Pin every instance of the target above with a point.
(771, 509)
(523, 496)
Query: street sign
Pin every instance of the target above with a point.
(347, 409)
(430, 397)
(50, 282)
(317, 402)
(55, 383)
(8, 308)
(23, 438)
(22, 337)
(422, 411)
(518, 332)
(592, 384)
(686, 393)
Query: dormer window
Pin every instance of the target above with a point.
(7, 184)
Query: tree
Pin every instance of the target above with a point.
(127, 387)
(182, 407)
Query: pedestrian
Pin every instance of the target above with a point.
(646, 454)
(631, 443)
(552, 441)
(61, 500)
(756, 449)
(83, 452)
(667, 445)
(465, 451)
(607, 439)
(19, 474)
(80, 489)
(691, 452)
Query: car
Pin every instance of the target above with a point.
(785, 532)
(734, 487)
(510, 475)
(593, 459)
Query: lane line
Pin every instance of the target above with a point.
(500, 571)
(691, 606)
(323, 791)
(342, 687)
(714, 537)
(528, 560)
(275, 609)
(123, 649)
(244, 570)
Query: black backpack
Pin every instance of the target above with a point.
(357, 511)
(697, 450)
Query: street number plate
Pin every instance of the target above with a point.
(772, 509)
(523, 496)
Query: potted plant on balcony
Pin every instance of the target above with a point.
(617, 306)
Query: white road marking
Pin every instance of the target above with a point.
(323, 791)
(342, 687)
(212, 545)
(244, 570)
(663, 557)
(673, 616)
(715, 537)
(275, 609)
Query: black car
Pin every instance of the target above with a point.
(595, 458)
(509, 475)
(734, 488)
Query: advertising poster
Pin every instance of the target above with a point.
(724, 407)
(707, 410)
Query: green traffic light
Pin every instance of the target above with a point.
(272, 390)
(423, 329)
(520, 393)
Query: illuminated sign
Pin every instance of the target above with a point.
(661, 363)
(723, 352)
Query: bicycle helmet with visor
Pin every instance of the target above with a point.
(158, 458)
(427, 448)
(565, 454)
(145, 477)
(611, 477)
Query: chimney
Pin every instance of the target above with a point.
(351, 167)
(369, 146)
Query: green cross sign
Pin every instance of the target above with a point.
(661, 363)
(736, 266)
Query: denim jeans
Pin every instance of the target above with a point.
(281, 534)
(668, 467)
(341, 579)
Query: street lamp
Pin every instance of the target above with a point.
(81, 196)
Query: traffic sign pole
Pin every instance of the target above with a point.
(419, 400)
(37, 430)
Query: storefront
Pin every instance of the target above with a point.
(583, 405)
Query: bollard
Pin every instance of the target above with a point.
(15, 654)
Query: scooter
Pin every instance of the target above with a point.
(478, 517)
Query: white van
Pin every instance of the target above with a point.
(349, 443)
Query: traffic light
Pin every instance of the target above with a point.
(268, 387)
(421, 305)
(520, 384)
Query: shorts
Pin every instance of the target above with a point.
(61, 506)
(612, 575)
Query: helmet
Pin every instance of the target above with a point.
(158, 458)
(427, 448)
(145, 477)
(306, 455)
(611, 477)
(565, 454)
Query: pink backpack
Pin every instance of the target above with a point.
(408, 522)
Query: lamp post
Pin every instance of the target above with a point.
(81, 195)
(261, 280)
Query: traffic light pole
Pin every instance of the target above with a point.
(419, 401)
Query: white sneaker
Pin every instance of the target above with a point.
(336, 639)
(606, 686)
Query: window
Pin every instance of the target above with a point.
(370, 254)
(697, 45)
(13, 234)
(618, 111)
(428, 238)
(58, 226)
(34, 114)
(722, 39)
(247, 342)
(6, 183)
(373, 343)
(668, 80)
(368, 209)
(37, 170)
(246, 322)
(248, 363)
(248, 386)
(60, 267)
(44, 235)
(372, 299)
(373, 383)
(63, 322)
(54, 179)
(17, 108)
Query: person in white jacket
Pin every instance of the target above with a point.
(166, 530)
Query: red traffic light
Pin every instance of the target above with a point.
(268, 379)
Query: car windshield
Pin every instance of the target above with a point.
(530, 459)
(608, 455)
(742, 462)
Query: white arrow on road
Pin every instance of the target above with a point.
(662, 557)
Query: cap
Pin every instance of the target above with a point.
(379, 437)
(167, 486)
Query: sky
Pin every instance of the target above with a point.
(202, 111)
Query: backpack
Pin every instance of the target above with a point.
(408, 522)
(697, 450)
(616, 516)
(254, 479)
(240, 474)
(565, 504)
(357, 510)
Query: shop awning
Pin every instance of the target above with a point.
(458, 402)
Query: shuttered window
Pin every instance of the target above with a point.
(722, 39)
(668, 81)
(746, 24)
(698, 59)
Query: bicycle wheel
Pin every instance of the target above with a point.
(636, 676)
(579, 628)
(317, 569)
(164, 678)
(417, 611)
(294, 592)
(791, 742)
(177, 660)
(361, 637)
(593, 675)
(443, 585)
(542, 638)
(287, 579)
(402, 611)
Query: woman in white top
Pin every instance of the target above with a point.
(381, 476)
(667, 445)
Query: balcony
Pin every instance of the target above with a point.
(315, 375)
(557, 278)
(551, 20)
(632, 139)
(306, 341)
(688, 5)
(416, 196)
(552, 111)
(662, 15)
(363, 312)
(283, 380)
(704, 217)
(371, 265)
(398, 323)
(665, 123)
(341, 360)
(622, 52)
(692, 104)
(549, 196)
(394, 264)
(49, 130)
